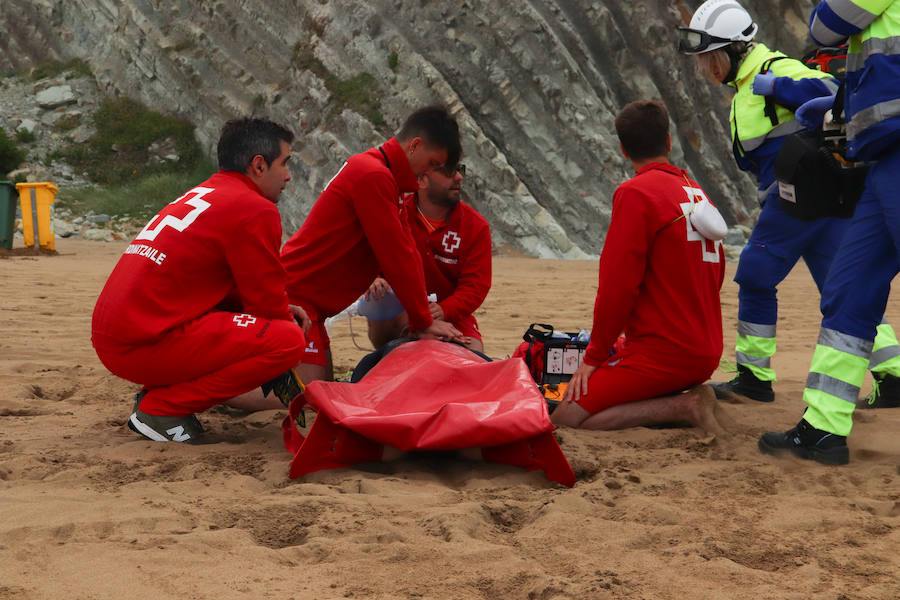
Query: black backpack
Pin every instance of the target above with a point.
(814, 177)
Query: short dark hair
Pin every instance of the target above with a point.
(242, 139)
(436, 126)
(643, 129)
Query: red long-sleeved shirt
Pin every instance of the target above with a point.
(354, 232)
(659, 279)
(456, 257)
(218, 243)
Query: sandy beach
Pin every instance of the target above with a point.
(88, 510)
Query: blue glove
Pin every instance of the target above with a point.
(764, 84)
(812, 113)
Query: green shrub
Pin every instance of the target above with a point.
(25, 136)
(53, 68)
(359, 93)
(356, 94)
(184, 45)
(68, 122)
(54, 156)
(118, 152)
(393, 61)
(11, 156)
(139, 198)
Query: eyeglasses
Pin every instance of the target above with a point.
(450, 171)
(694, 41)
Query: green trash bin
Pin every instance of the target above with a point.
(8, 200)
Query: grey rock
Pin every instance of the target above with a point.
(63, 228)
(163, 151)
(55, 96)
(98, 235)
(81, 134)
(95, 219)
(27, 125)
(18, 173)
(50, 118)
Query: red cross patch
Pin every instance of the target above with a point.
(244, 320)
(451, 241)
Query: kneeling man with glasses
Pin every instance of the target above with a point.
(455, 244)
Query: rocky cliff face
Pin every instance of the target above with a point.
(535, 85)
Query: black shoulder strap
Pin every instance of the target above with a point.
(837, 110)
(540, 332)
(769, 110)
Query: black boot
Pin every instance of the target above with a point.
(806, 441)
(745, 384)
(885, 392)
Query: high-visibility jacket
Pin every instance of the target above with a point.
(795, 84)
(872, 99)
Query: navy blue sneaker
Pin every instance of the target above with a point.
(169, 429)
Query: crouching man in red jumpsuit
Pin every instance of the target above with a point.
(659, 283)
(196, 309)
(355, 231)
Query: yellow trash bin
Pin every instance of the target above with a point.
(36, 201)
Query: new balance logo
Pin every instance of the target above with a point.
(244, 320)
(451, 241)
(178, 434)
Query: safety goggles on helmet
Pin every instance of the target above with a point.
(695, 41)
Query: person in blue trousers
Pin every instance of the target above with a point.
(859, 281)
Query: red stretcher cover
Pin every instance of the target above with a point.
(428, 395)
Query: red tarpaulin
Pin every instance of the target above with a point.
(429, 395)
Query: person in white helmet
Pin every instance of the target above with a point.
(769, 87)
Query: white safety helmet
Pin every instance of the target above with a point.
(716, 24)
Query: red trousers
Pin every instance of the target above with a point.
(635, 373)
(207, 361)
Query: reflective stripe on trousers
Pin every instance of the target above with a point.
(755, 348)
(886, 351)
(832, 387)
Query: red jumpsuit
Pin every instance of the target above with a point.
(456, 256)
(659, 283)
(196, 310)
(354, 232)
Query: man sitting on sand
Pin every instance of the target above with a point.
(454, 242)
(659, 283)
(196, 309)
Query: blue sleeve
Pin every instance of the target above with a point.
(833, 21)
(792, 93)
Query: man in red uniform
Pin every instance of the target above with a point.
(354, 232)
(454, 242)
(659, 283)
(196, 309)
